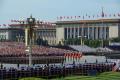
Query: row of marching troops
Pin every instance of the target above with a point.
(55, 70)
(74, 56)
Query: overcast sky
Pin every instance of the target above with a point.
(50, 9)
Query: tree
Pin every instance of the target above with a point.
(40, 41)
(116, 39)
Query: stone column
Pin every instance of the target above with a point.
(70, 32)
(78, 31)
(74, 32)
(92, 32)
(88, 33)
(26, 36)
(105, 33)
(67, 33)
(96, 32)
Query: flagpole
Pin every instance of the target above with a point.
(102, 26)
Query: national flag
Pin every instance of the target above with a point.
(8, 24)
(78, 16)
(97, 15)
(57, 18)
(4, 24)
(61, 17)
(64, 17)
(109, 15)
(89, 16)
(118, 14)
(114, 15)
(67, 17)
(12, 20)
(103, 14)
(93, 16)
(15, 20)
(75, 17)
(83, 17)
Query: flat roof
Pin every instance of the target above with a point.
(40, 26)
(11, 29)
(89, 21)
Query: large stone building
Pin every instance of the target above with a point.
(63, 30)
(16, 32)
(90, 29)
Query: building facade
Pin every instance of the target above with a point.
(101, 29)
(3, 34)
(90, 29)
(16, 32)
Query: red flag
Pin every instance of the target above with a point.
(83, 17)
(109, 15)
(15, 20)
(57, 18)
(89, 16)
(75, 17)
(67, 17)
(4, 24)
(64, 17)
(93, 16)
(103, 14)
(114, 15)
(78, 16)
(8, 24)
(12, 20)
(118, 14)
(61, 17)
(97, 15)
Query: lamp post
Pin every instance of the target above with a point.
(102, 37)
(31, 23)
(18, 38)
(81, 39)
(109, 41)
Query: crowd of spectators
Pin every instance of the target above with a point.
(19, 49)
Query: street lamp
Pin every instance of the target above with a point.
(81, 39)
(31, 23)
(18, 38)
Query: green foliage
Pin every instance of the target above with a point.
(31, 78)
(40, 41)
(88, 42)
(116, 39)
(102, 76)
